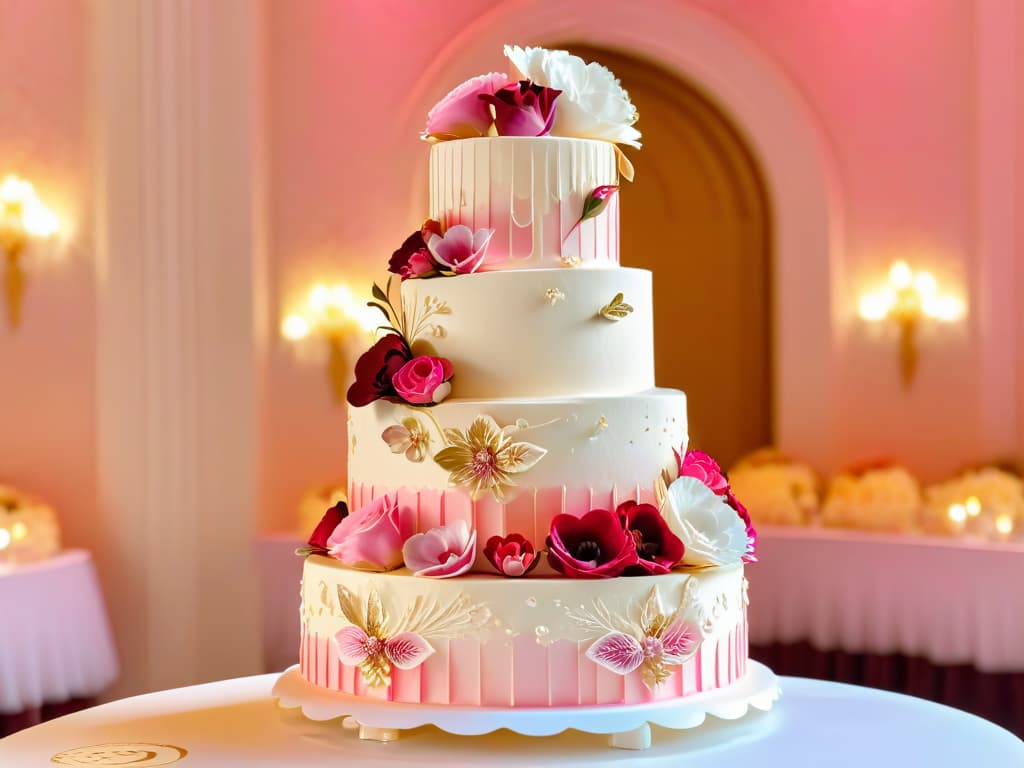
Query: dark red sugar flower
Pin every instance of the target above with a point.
(317, 544)
(376, 368)
(413, 259)
(594, 546)
(511, 555)
(658, 549)
(523, 109)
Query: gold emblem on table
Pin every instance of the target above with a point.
(130, 754)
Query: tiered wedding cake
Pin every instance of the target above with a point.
(527, 528)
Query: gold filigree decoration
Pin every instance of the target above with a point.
(599, 427)
(552, 296)
(650, 639)
(377, 649)
(616, 309)
(127, 753)
(485, 457)
(410, 437)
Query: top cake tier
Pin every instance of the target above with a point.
(531, 191)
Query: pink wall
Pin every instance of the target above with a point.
(47, 366)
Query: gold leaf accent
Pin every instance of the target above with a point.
(375, 619)
(571, 261)
(351, 608)
(430, 620)
(616, 309)
(552, 296)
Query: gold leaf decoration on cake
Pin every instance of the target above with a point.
(649, 639)
(485, 458)
(368, 644)
(552, 296)
(616, 309)
(571, 260)
(599, 427)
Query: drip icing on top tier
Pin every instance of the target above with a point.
(531, 192)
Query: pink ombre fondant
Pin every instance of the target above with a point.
(529, 511)
(520, 672)
(531, 193)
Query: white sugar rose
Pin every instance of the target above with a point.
(593, 104)
(710, 529)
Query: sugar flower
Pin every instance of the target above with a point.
(701, 466)
(461, 113)
(424, 380)
(658, 549)
(511, 555)
(441, 552)
(485, 457)
(460, 249)
(523, 109)
(594, 546)
(593, 104)
(376, 368)
(409, 438)
(710, 529)
(369, 538)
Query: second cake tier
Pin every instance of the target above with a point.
(510, 466)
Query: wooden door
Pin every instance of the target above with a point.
(698, 216)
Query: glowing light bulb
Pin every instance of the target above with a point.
(925, 285)
(5, 538)
(295, 328)
(1004, 524)
(957, 513)
(19, 531)
(900, 275)
(319, 298)
(875, 305)
(973, 506)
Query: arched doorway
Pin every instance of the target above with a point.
(698, 216)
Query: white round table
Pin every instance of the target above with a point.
(55, 639)
(236, 723)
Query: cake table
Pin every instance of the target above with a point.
(237, 722)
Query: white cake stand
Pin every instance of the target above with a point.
(627, 726)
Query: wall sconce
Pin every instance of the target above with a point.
(334, 314)
(908, 298)
(22, 216)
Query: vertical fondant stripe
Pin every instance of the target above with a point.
(496, 665)
(564, 659)
(529, 670)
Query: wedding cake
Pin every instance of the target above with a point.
(525, 527)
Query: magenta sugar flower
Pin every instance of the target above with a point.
(658, 549)
(701, 466)
(424, 380)
(523, 109)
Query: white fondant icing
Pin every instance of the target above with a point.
(531, 191)
(525, 605)
(632, 449)
(506, 338)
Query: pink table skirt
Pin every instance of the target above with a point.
(55, 639)
(948, 601)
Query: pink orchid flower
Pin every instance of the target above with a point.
(442, 552)
(461, 249)
(405, 650)
(622, 653)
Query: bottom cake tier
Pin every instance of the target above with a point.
(531, 642)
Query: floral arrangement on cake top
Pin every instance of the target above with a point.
(698, 522)
(780, 489)
(878, 497)
(551, 93)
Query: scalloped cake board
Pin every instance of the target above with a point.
(628, 726)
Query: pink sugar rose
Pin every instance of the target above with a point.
(523, 109)
(424, 380)
(461, 114)
(369, 538)
(461, 249)
(511, 556)
(701, 466)
(442, 552)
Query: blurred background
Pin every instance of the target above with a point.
(828, 194)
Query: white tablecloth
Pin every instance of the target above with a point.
(236, 723)
(55, 640)
(948, 600)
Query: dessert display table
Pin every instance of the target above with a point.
(55, 640)
(951, 601)
(237, 722)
